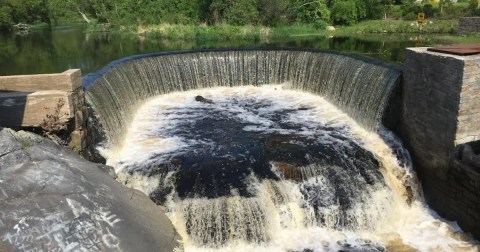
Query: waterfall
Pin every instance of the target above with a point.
(284, 151)
(359, 86)
(274, 169)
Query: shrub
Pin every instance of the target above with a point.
(473, 8)
(320, 25)
(410, 10)
(344, 12)
(429, 11)
(53, 125)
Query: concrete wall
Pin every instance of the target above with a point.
(440, 111)
(28, 100)
(468, 25)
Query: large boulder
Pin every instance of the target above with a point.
(53, 200)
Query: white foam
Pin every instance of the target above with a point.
(290, 225)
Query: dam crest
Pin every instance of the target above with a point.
(359, 86)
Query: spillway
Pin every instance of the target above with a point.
(267, 150)
(359, 86)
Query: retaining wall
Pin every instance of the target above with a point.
(468, 25)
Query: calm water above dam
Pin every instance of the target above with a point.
(48, 51)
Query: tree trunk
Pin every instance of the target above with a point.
(216, 17)
(83, 16)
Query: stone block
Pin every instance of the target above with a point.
(69, 80)
(30, 109)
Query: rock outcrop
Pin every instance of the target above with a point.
(53, 200)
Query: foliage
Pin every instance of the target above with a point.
(273, 12)
(242, 12)
(410, 10)
(347, 12)
(400, 26)
(474, 7)
(429, 10)
(310, 11)
(372, 9)
(270, 13)
(344, 12)
(25, 11)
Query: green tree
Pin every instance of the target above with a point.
(26, 11)
(344, 12)
(371, 9)
(273, 12)
(78, 9)
(474, 7)
(242, 12)
(310, 11)
(6, 20)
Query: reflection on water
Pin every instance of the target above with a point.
(47, 51)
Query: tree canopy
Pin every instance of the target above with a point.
(235, 12)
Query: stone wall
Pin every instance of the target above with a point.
(464, 196)
(440, 112)
(468, 25)
(468, 127)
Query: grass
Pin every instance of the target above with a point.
(401, 26)
(224, 31)
(253, 32)
(203, 32)
(443, 30)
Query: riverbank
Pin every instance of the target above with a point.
(443, 30)
(250, 32)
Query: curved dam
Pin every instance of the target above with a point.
(359, 86)
(267, 150)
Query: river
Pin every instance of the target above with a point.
(60, 48)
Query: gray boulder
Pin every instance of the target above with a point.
(53, 200)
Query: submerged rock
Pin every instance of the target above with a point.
(200, 98)
(288, 171)
(52, 199)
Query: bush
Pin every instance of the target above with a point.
(320, 25)
(308, 11)
(473, 8)
(453, 11)
(429, 10)
(344, 12)
(242, 13)
(410, 10)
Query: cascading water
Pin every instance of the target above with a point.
(268, 168)
(359, 86)
(259, 165)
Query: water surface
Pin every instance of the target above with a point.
(272, 169)
(61, 48)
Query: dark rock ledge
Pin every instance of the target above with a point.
(53, 200)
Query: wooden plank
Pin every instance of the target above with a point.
(69, 80)
(31, 109)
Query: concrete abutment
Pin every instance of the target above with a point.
(440, 125)
(45, 101)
